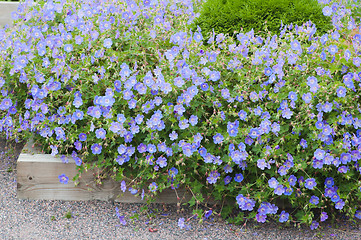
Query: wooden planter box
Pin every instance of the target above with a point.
(6, 8)
(37, 178)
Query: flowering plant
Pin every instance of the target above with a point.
(126, 87)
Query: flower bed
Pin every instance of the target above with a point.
(127, 88)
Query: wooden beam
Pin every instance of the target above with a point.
(37, 178)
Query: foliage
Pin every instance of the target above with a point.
(127, 88)
(230, 16)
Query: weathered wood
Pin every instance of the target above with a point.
(6, 8)
(37, 178)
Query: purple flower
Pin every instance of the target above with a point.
(100, 133)
(358, 214)
(213, 176)
(121, 218)
(319, 154)
(284, 216)
(63, 178)
(341, 92)
(242, 115)
(292, 96)
(123, 186)
(323, 216)
(292, 180)
(208, 214)
(153, 187)
(339, 205)
(254, 133)
(108, 43)
(238, 177)
(96, 148)
(329, 182)
(303, 143)
(218, 138)
(272, 183)
(307, 97)
(310, 183)
(68, 48)
(173, 172)
(162, 162)
(227, 180)
(261, 218)
(314, 225)
(314, 200)
(279, 190)
(181, 224)
(193, 120)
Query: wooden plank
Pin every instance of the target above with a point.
(37, 178)
(6, 8)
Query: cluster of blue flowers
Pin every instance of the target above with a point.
(128, 82)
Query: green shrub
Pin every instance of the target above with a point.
(228, 16)
(139, 97)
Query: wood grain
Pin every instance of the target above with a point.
(37, 178)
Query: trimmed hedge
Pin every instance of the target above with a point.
(229, 16)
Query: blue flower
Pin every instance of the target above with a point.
(239, 177)
(173, 172)
(121, 218)
(323, 216)
(303, 143)
(314, 225)
(153, 187)
(197, 37)
(254, 133)
(218, 138)
(319, 154)
(314, 200)
(96, 148)
(63, 179)
(261, 218)
(213, 176)
(77, 160)
(358, 214)
(279, 190)
(332, 49)
(341, 92)
(272, 183)
(162, 162)
(68, 48)
(181, 223)
(310, 183)
(227, 180)
(327, 11)
(339, 205)
(123, 186)
(242, 115)
(108, 42)
(183, 124)
(296, 46)
(100, 133)
(329, 182)
(345, 158)
(151, 148)
(193, 120)
(292, 96)
(122, 149)
(284, 216)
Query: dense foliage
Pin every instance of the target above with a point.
(229, 16)
(126, 87)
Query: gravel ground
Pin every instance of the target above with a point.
(37, 219)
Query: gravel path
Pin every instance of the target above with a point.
(35, 219)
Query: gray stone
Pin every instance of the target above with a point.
(6, 8)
